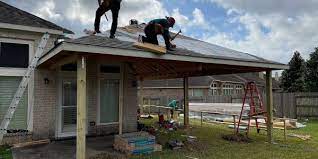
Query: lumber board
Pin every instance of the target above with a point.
(269, 108)
(31, 143)
(151, 47)
(81, 109)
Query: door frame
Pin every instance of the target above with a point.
(61, 76)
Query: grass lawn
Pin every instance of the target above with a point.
(211, 145)
(5, 152)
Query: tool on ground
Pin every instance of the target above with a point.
(99, 3)
(23, 85)
(179, 32)
(256, 107)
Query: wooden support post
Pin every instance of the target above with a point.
(285, 129)
(81, 109)
(201, 119)
(121, 99)
(234, 122)
(269, 102)
(186, 101)
(141, 98)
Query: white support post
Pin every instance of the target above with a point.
(81, 109)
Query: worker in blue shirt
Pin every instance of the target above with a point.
(159, 27)
(173, 105)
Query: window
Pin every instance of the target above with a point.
(109, 100)
(14, 55)
(227, 89)
(214, 88)
(238, 89)
(69, 67)
(198, 92)
(109, 69)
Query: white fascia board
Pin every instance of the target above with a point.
(143, 54)
(49, 55)
(31, 29)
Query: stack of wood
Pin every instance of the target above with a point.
(135, 143)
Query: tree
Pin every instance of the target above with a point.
(293, 78)
(312, 72)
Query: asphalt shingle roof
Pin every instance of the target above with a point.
(122, 43)
(13, 15)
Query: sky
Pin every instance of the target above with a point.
(270, 29)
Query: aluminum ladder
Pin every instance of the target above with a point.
(22, 86)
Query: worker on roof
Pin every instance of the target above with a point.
(157, 27)
(104, 6)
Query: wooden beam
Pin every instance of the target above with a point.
(121, 98)
(186, 101)
(151, 47)
(269, 107)
(81, 109)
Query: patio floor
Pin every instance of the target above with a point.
(65, 149)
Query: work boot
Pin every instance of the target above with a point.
(169, 49)
(97, 32)
(112, 36)
(143, 39)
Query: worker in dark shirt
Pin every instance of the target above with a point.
(106, 5)
(159, 27)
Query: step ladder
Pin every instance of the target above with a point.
(256, 107)
(23, 85)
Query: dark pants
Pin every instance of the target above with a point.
(102, 9)
(151, 35)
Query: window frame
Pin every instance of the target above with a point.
(19, 72)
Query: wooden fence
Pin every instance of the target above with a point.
(291, 105)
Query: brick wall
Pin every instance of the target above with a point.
(45, 102)
(130, 101)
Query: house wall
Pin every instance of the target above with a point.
(46, 104)
(40, 111)
(130, 100)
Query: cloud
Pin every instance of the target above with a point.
(197, 21)
(80, 14)
(275, 29)
(198, 18)
(47, 11)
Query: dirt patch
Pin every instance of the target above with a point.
(237, 138)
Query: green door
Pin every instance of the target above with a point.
(109, 100)
(8, 87)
